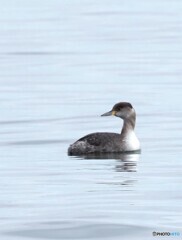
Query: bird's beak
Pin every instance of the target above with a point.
(110, 113)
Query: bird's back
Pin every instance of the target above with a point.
(96, 142)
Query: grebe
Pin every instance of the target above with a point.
(104, 142)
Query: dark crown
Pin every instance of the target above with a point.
(121, 105)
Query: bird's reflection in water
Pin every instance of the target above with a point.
(125, 162)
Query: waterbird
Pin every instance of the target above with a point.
(106, 142)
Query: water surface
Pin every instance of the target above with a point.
(63, 64)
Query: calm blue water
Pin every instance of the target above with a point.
(63, 64)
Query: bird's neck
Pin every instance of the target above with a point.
(128, 126)
(128, 135)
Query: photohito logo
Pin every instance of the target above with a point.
(166, 234)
